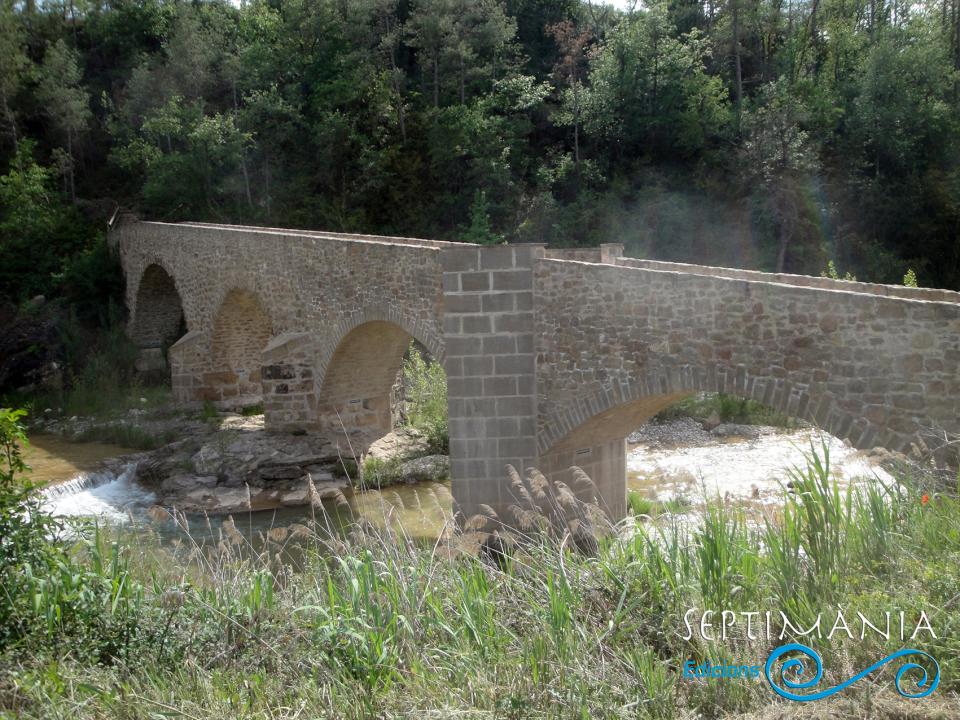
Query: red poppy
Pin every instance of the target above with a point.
(924, 499)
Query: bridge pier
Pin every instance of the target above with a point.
(488, 325)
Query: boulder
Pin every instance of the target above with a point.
(711, 422)
(399, 444)
(426, 468)
(178, 485)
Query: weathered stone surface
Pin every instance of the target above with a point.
(398, 444)
(428, 467)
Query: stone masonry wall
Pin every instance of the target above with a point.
(241, 332)
(822, 283)
(305, 283)
(161, 311)
(488, 323)
(875, 370)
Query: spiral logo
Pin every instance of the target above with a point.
(793, 670)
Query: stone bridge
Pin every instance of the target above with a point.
(553, 357)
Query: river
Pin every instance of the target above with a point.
(749, 471)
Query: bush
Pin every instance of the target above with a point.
(380, 472)
(426, 385)
(729, 408)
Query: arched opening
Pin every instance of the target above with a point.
(241, 331)
(363, 394)
(158, 320)
(598, 447)
(683, 444)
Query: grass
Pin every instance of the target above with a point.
(728, 408)
(127, 435)
(380, 472)
(376, 625)
(641, 505)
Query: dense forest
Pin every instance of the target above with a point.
(774, 134)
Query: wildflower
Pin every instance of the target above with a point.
(924, 499)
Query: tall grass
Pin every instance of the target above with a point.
(376, 625)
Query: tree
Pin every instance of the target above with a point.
(66, 102)
(13, 66)
(778, 158)
(38, 232)
(569, 71)
(650, 92)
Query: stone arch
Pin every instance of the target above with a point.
(241, 330)
(357, 371)
(158, 317)
(590, 432)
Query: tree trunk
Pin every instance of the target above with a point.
(243, 159)
(738, 68)
(73, 188)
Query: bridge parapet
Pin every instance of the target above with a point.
(810, 281)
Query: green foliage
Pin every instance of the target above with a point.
(728, 408)
(426, 386)
(23, 529)
(380, 472)
(834, 274)
(910, 278)
(640, 505)
(479, 231)
(52, 591)
(100, 376)
(793, 136)
(38, 232)
(252, 410)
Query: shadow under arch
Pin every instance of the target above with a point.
(358, 372)
(158, 318)
(241, 331)
(591, 432)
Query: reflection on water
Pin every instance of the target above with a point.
(54, 459)
(750, 470)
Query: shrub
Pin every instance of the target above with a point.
(729, 408)
(426, 385)
(380, 472)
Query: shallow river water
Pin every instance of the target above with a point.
(748, 471)
(741, 469)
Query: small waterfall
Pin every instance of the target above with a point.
(78, 483)
(104, 494)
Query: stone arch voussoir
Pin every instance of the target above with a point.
(812, 404)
